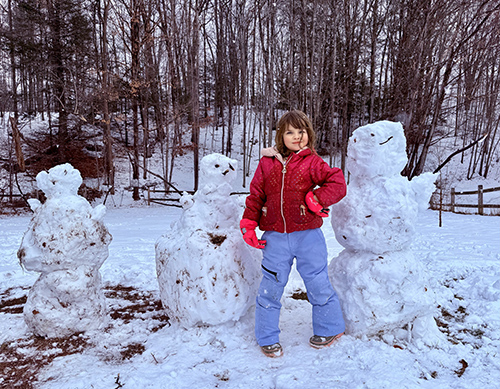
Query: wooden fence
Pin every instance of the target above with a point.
(171, 198)
(11, 198)
(480, 199)
(166, 197)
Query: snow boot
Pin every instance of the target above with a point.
(323, 341)
(273, 350)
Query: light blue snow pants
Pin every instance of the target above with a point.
(309, 249)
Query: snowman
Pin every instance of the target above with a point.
(206, 272)
(67, 242)
(381, 285)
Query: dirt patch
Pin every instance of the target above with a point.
(11, 304)
(299, 295)
(132, 349)
(217, 239)
(136, 305)
(22, 360)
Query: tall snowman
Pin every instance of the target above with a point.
(381, 285)
(206, 272)
(67, 242)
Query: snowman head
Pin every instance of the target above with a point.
(60, 181)
(377, 149)
(217, 169)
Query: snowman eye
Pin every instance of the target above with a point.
(217, 166)
(372, 134)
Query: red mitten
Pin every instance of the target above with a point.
(316, 207)
(247, 228)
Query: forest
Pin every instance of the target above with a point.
(147, 72)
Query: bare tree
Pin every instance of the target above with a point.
(109, 168)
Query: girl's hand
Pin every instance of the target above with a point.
(247, 228)
(315, 206)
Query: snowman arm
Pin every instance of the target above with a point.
(98, 212)
(257, 197)
(34, 204)
(331, 182)
(423, 186)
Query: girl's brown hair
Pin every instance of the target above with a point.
(296, 119)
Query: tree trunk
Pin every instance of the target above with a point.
(195, 9)
(135, 45)
(108, 140)
(59, 76)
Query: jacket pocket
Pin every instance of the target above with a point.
(301, 214)
(273, 273)
(268, 216)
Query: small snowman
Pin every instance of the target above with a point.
(206, 272)
(381, 285)
(67, 242)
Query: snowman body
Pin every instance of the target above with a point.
(67, 242)
(381, 285)
(206, 273)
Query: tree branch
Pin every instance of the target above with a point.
(155, 174)
(460, 151)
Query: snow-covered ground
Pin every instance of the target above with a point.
(139, 348)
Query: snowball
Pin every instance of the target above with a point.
(380, 293)
(61, 180)
(377, 149)
(64, 302)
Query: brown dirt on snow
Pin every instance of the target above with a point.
(22, 359)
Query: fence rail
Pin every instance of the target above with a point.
(480, 199)
(171, 198)
(10, 197)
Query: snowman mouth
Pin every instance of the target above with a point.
(384, 142)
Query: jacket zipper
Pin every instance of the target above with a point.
(282, 190)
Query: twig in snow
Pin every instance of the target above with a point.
(117, 381)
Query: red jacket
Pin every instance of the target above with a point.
(278, 190)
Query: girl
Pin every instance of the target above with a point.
(289, 195)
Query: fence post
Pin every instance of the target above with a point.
(480, 207)
(149, 195)
(452, 203)
(441, 206)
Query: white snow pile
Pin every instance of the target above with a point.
(382, 287)
(67, 242)
(206, 272)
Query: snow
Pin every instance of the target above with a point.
(138, 347)
(462, 260)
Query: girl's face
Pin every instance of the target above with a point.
(295, 139)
